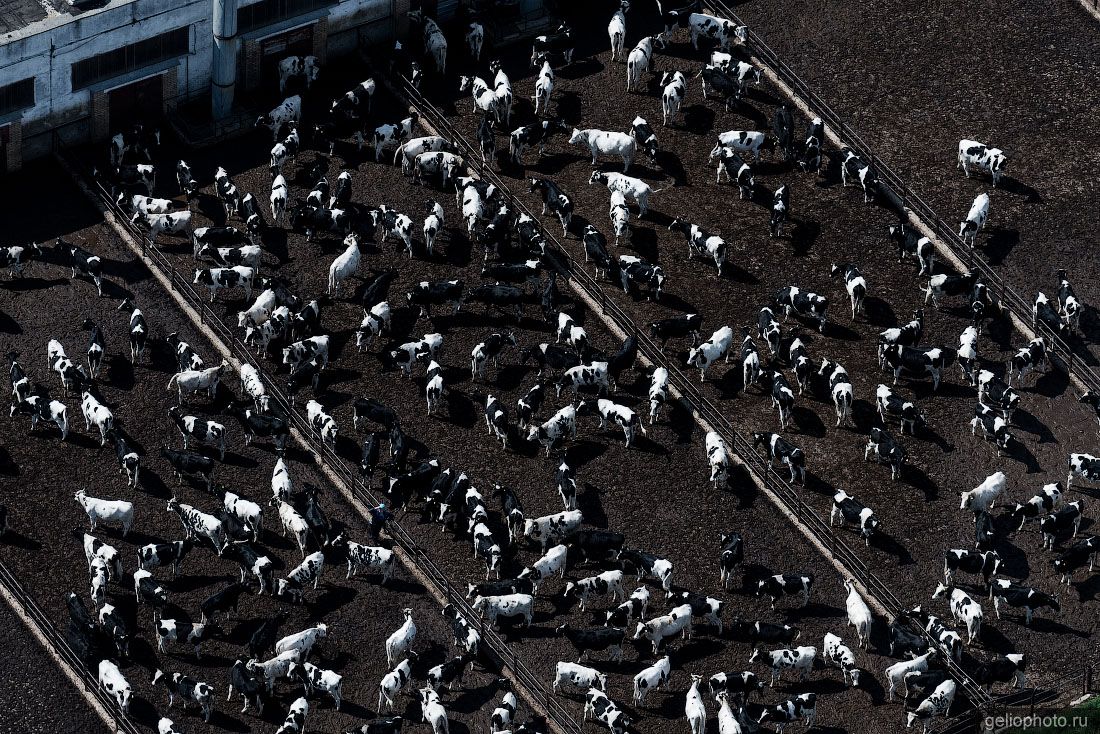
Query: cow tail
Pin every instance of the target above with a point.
(398, 153)
(171, 381)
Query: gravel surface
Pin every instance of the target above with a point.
(830, 225)
(38, 698)
(917, 78)
(678, 517)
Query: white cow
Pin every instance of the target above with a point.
(110, 511)
(602, 142)
(640, 59)
(985, 495)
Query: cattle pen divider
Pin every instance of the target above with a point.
(51, 636)
(1009, 300)
(757, 464)
(494, 646)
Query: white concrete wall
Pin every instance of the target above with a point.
(47, 53)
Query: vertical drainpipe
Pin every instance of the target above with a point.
(223, 74)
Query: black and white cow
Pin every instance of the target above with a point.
(854, 283)
(607, 712)
(786, 584)
(944, 285)
(634, 269)
(1068, 306)
(803, 303)
(701, 242)
(1009, 594)
(918, 362)
(890, 404)
(781, 210)
(83, 262)
(15, 257)
(644, 137)
(553, 199)
(1031, 357)
(911, 242)
(736, 170)
(781, 450)
(886, 450)
(850, 511)
(424, 295)
(986, 563)
(782, 398)
(719, 30)
(994, 427)
(981, 156)
(1066, 520)
(802, 707)
(853, 168)
(811, 148)
(559, 44)
(1047, 500)
(1076, 556)
(538, 134)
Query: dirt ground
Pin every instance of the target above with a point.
(656, 494)
(916, 78)
(830, 225)
(38, 699)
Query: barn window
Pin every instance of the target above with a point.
(17, 96)
(268, 12)
(130, 58)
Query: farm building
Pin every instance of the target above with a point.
(83, 70)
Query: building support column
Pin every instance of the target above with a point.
(401, 18)
(223, 75)
(169, 88)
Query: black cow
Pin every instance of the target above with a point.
(188, 462)
(500, 588)
(678, 327)
(554, 199)
(644, 137)
(498, 296)
(586, 546)
(222, 601)
(783, 127)
(586, 641)
(549, 356)
(424, 295)
(731, 555)
(781, 212)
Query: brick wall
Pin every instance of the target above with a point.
(169, 84)
(401, 13)
(251, 65)
(14, 146)
(101, 117)
(320, 40)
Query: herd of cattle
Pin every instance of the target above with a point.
(286, 328)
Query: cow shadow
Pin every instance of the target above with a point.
(1018, 187)
(590, 504)
(803, 236)
(808, 422)
(892, 546)
(1000, 241)
(879, 312)
(1088, 590)
(916, 478)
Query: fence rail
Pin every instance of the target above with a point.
(63, 650)
(493, 643)
(755, 462)
(1009, 299)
